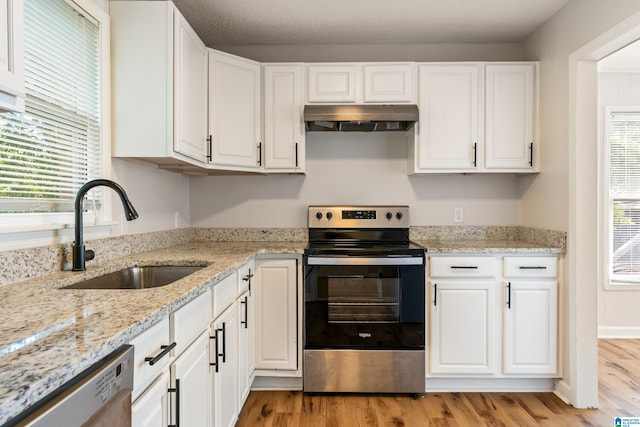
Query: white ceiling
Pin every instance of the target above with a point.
(274, 22)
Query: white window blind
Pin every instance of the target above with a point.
(624, 196)
(48, 152)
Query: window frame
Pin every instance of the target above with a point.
(606, 205)
(23, 230)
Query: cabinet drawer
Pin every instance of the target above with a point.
(245, 277)
(462, 266)
(189, 320)
(531, 266)
(149, 344)
(224, 293)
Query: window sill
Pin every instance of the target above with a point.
(621, 286)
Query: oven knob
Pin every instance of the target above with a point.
(319, 215)
(329, 215)
(389, 215)
(399, 215)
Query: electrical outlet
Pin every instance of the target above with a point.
(458, 215)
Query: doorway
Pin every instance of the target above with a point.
(583, 224)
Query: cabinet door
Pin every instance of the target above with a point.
(448, 131)
(531, 327)
(332, 83)
(284, 136)
(190, 91)
(191, 383)
(276, 314)
(246, 349)
(462, 327)
(510, 117)
(234, 111)
(225, 360)
(12, 91)
(151, 409)
(388, 83)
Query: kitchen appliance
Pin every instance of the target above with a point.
(359, 118)
(364, 312)
(99, 397)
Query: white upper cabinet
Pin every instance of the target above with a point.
(284, 135)
(234, 112)
(332, 83)
(449, 125)
(476, 117)
(190, 91)
(158, 104)
(389, 83)
(12, 90)
(510, 117)
(343, 83)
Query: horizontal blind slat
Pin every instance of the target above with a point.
(48, 152)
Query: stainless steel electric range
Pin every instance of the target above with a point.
(364, 313)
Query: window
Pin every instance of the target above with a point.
(623, 144)
(48, 152)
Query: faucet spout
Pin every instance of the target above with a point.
(80, 254)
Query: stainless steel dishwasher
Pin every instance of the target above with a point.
(99, 397)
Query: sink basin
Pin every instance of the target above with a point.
(137, 278)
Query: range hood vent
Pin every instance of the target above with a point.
(360, 118)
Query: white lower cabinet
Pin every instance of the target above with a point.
(231, 348)
(276, 314)
(490, 322)
(246, 346)
(171, 372)
(463, 327)
(530, 316)
(463, 315)
(152, 408)
(225, 362)
(190, 385)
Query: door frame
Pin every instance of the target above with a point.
(583, 264)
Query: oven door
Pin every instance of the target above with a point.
(364, 302)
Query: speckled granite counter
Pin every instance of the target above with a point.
(49, 335)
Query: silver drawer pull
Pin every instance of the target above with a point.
(532, 267)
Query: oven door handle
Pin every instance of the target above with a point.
(357, 260)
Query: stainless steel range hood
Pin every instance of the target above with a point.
(359, 118)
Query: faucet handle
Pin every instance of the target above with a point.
(89, 254)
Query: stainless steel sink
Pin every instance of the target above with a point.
(137, 278)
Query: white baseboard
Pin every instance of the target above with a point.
(563, 391)
(449, 385)
(611, 332)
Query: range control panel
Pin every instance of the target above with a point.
(358, 216)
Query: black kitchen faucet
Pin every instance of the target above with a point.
(80, 255)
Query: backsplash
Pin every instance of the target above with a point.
(34, 262)
(539, 236)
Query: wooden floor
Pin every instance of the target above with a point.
(619, 377)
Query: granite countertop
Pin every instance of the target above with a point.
(50, 335)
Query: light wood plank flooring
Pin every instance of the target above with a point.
(619, 375)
